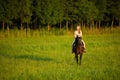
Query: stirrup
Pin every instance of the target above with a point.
(84, 50)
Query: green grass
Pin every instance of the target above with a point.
(50, 58)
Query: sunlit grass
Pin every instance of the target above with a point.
(50, 58)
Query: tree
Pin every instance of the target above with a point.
(36, 11)
(46, 8)
(60, 12)
(112, 10)
(92, 13)
(117, 12)
(25, 12)
(2, 12)
(68, 11)
(8, 11)
(87, 12)
(101, 6)
(51, 12)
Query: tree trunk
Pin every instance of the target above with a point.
(93, 24)
(26, 29)
(112, 22)
(119, 22)
(12, 25)
(60, 26)
(67, 25)
(21, 26)
(48, 27)
(96, 25)
(90, 24)
(35, 23)
(79, 24)
(3, 25)
(99, 22)
(72, 26)
(84, 23)
(7, 29)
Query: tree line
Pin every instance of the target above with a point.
(36, 13)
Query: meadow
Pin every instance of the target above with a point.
(50, 58)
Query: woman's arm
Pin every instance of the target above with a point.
(75, 35)
(81, 33)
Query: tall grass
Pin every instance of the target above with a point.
(54, 31)
(48, 57)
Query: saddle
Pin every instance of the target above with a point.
(77, 42)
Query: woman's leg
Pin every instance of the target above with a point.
(84, 46)
(73, 44)
(83, 43)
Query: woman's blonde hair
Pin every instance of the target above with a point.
(78, 29)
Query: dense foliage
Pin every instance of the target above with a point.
(36, 13)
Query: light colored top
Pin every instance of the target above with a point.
(76, 33)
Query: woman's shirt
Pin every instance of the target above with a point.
(76, 33)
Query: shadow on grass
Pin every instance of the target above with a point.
(29, 57)
(32, 57)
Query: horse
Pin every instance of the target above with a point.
(78, 49)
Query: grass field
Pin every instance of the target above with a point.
(50, 58)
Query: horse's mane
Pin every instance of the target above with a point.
(76, 39)
(78, 45)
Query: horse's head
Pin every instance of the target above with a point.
(78, 40)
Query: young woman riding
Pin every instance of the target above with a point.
(78, 32)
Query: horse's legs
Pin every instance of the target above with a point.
(76, 56)
(80, 58)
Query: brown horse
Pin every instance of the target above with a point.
(78, 48)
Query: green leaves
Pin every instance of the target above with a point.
(25, 11)
(53, 12)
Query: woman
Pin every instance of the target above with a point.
(78, 33)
